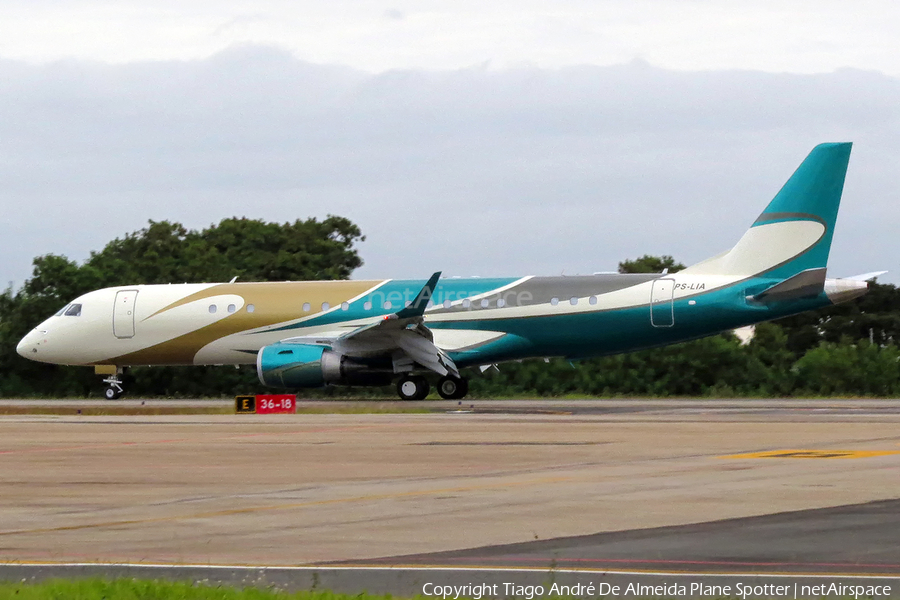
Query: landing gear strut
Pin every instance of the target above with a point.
(453, 388)
(114, 382)
(412, 387)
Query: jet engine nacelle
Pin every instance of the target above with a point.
(307, 365)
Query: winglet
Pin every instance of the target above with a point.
(420, 303)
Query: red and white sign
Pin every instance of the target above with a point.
(268, 404)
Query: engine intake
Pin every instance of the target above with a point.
(294, 366)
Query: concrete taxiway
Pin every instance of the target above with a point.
(734, 486)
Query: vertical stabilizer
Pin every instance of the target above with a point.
(794, 232)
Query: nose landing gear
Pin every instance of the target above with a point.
(113, 381)
(115, 389)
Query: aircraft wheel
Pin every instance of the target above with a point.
(412, 387)
(113, 393)
(451, 388)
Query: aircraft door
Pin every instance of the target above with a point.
(123, 313)
(662, 310)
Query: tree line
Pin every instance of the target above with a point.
(166, 252)
(848, 349)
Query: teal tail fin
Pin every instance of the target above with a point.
(793, 234)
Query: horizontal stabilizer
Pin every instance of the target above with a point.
(805, 284)
(865, 276)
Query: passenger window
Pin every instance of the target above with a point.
(387, 304)
(447, 303)
(554, 301)
(212, 309)
(325, 306)
(345, 306)
(367, 305)
(573, 300)
(501, 302)
(306, 307)
(74, 310)
(232, 308)
(467, 303)
(485, 303)
(592, 300)
(251, 308)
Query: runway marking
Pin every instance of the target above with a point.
(450, 568)
(657, 561)
(184, 440)
(814, 454)
(286, 506)
(508, 443)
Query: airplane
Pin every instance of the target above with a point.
(308, 334)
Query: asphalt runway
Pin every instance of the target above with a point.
(759, 488)
(857, 539)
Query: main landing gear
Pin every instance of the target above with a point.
(452, 388)
(412, 387)
(415, 387)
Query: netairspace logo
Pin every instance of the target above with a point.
(477, 591)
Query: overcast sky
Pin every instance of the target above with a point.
(499, 138)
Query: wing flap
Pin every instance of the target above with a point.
(424, 352)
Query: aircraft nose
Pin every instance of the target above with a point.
(27, 347)
(22, 348)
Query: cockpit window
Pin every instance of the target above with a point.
(62, 310)
(74, 310)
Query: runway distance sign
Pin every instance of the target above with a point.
(266, 404)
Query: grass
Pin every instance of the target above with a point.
(360, 409)
(136, 589)
(72, 408)
(103, 411)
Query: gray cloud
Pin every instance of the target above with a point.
(473, 171)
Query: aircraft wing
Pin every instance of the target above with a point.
(403, 332)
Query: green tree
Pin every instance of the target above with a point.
(251, 250)
(650, 264)
(846, 368)
(55, 280)
(874, 317)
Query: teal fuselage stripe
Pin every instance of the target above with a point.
(581, 334)
(604, 332)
